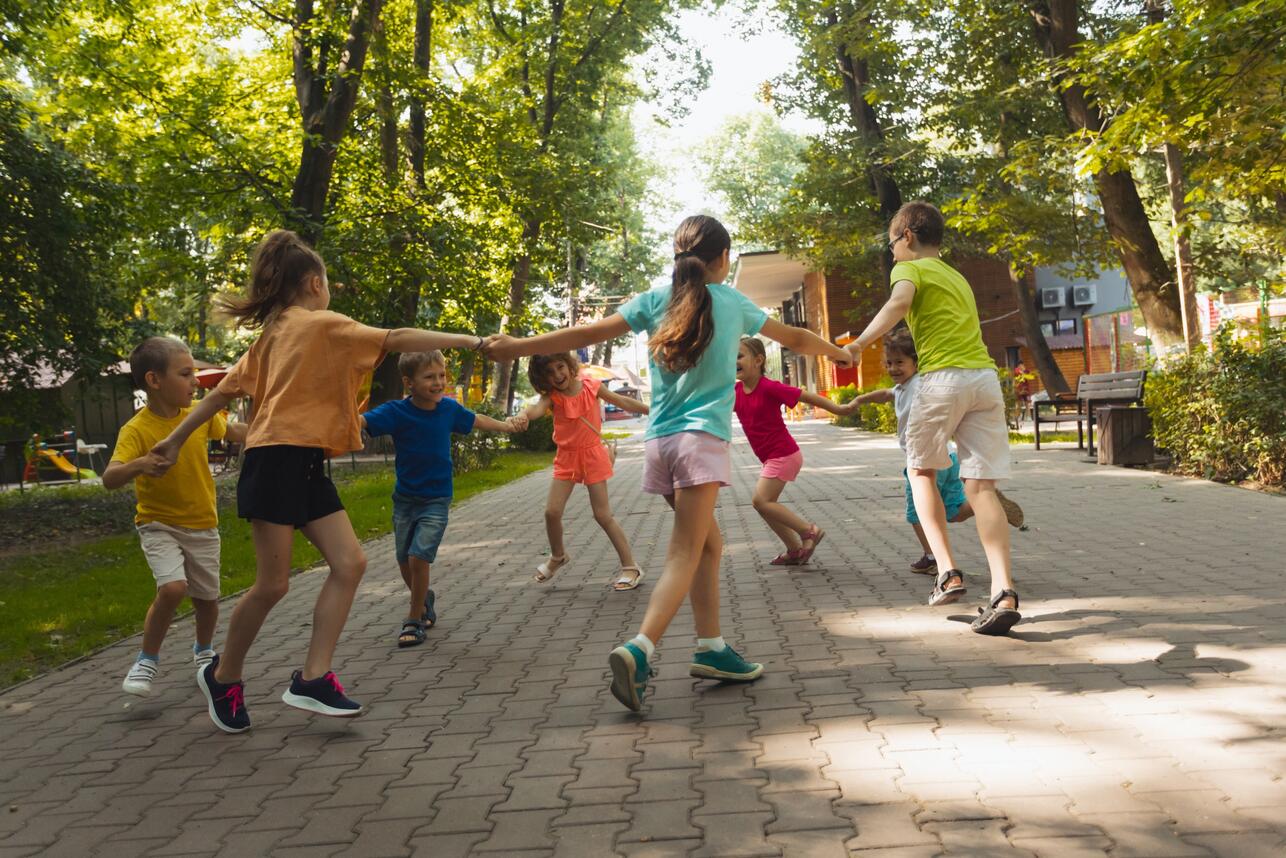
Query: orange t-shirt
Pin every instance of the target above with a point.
(304, 373)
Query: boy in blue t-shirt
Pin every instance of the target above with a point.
(422, 425)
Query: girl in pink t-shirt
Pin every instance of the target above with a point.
(758, 407)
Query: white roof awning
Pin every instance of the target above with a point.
(768, 278)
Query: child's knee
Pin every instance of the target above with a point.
(760, 503)
(553, 515)
(172, 591)
(272, 591)
(604, 517)
(354, 567)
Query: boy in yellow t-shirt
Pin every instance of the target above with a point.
(959, 398)
(178, 523)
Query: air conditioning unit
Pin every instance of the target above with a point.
(1084, 296)
(1052, 298)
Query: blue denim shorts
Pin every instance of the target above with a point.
(418, 525)
(950, 488)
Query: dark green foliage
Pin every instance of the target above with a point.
(1221, 413)
(537, 437)
(478, 449)
(874, 417)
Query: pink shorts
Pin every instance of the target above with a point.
(784, 468)
(685, 459)
(587, 465)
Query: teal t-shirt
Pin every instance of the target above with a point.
(699, 400)
(943, 317)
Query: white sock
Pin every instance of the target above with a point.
(711, 644)
(930, 556)
(641, 641)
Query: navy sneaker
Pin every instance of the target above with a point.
(630, 673)
(726, 664)
(325, 696)
(429, 616)
(227, 703)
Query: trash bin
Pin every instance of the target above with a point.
(1125, 435)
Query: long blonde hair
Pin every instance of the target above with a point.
(279, 267)
(688, 327)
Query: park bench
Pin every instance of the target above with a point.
(1092, 391)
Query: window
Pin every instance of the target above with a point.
(1058, 326)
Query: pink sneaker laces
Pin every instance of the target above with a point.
(334, 682)
(236, 697)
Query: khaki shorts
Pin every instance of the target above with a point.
(967, 405)
(180, 554)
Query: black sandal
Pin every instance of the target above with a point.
(995, 620)
(944, 595)
(430, 616)
(412, 634)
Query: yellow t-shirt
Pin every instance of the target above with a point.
(303, 373)
(184, 497)
(943, 316)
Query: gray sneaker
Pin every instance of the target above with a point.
(139, 679)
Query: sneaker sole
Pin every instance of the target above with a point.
(928, 570)
(308, 704)
(1013, 512)
(137, 691)
(209, 702)
(623, 667)
(704, 671)
(947, 598)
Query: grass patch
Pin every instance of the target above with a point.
(62, 603)
(610, 436)
(1045, 437)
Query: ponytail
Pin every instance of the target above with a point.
(688, 327)
(279, 267)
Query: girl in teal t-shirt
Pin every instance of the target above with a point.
(694, 326)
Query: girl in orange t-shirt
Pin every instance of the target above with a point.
(581, 457)
(303, 374)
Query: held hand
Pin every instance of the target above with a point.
(500, 347)
(154, 465)
(518, 422)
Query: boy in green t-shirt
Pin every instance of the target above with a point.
(959, 398)
(177, 520)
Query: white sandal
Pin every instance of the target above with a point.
(547, 570)
(628, 578)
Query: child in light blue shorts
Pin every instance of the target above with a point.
(902, 364)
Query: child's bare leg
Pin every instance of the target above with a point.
(788, 526)
(598, 502)
(993, 533)
(963, 514)
(933, 515)
(704, 594)
(273, 543)
(693, 518)
(919, 534)
(161, 614)
(418, 570)
(207, 616)
(334, 537)
(559, 492)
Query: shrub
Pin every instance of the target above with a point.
(478, 449)
(1221, 412)
(874, 417)
(538, 437)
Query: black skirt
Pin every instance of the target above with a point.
(283, 484)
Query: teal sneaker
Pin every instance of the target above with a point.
(726, 665)
(630, 673)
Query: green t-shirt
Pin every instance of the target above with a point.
(943, 316)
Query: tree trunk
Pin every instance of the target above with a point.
(517, 301)
(326, 103)
(1056, 31)
(422, 56)
(596, 356)
(1051, 376)
(1182, 246)
(464, 378)
(607, 352)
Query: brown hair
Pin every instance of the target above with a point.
(153, 355)
(279, 267)
(899, 342)
(410, 363)
(539, 365)
(755, 347)
(921, 218)
(688, 327)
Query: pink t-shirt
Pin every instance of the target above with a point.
(760, 414)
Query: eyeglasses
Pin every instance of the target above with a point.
(892, 243)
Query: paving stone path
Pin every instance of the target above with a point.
(1137, 711)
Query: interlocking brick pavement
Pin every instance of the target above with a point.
(1138, 710)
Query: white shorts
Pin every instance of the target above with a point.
(967, 405)
(685, 459)
(180, 554)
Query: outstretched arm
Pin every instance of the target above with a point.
(826, 403)
(505, 347)
(625, 403)
(236, 433)
(893, 311)
(884, 394)
(803, 341)
(167, 450)
(491, 424)
(416, 340)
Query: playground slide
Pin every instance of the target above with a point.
(59, 461)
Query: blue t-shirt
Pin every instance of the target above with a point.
(699, 400)
(422, 439)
